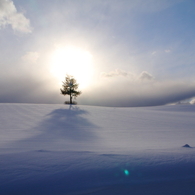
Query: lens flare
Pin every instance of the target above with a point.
(126, 172)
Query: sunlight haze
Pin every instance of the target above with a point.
(72, 61)
(122, 53)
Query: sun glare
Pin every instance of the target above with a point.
(73, 61)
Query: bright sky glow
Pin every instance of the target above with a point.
(122, 52)
(73, 61)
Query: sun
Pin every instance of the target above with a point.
(73, 61)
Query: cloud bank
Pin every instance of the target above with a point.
(139, 90)
(123, 90)
(10, 16)
(28, 89)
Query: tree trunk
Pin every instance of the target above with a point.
(70, 99)
(70, 96)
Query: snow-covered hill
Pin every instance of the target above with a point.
(61, 149)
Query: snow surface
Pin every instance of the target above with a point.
(61, 149)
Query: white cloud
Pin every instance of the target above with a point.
(192, 101)
(154, 52)
(167, 51)
(31, 57)
(143, 76)
(10, 16)
(116, 73)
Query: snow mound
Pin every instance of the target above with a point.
(187, 146)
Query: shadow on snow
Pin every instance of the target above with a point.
(62, 125)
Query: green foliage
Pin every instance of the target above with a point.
(70, 87)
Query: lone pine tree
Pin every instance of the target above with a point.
(70, 87)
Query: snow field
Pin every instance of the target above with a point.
(57, 149)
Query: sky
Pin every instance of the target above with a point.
(121, 52)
